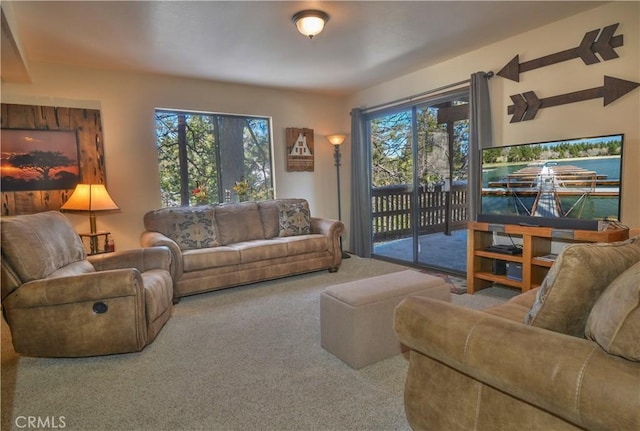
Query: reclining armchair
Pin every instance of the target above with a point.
(60, 303)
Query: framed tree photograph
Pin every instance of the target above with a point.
(39, 160)
(46, 152)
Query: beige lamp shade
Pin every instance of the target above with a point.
(336, 139)
(90, 197)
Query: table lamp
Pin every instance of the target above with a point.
(91, 198)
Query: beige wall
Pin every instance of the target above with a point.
(127, 102)
(580, 119)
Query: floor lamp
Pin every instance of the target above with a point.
(337, 140)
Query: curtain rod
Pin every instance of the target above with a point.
(423, 94)
(415, 96)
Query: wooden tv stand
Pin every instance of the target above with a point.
(536, 242)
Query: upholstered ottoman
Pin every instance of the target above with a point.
(356, 318)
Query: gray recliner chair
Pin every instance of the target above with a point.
(60, 303)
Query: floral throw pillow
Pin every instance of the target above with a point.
(294, 219)
(194, 229)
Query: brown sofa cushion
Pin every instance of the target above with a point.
(238, 222)
(575, 282)
(614, 321)
(206, 258)
(515, 308)
(294, 219)
(257, 250)
(305, 244)
(158, 220)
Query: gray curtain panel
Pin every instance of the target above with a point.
(360, 235)
(480, 135)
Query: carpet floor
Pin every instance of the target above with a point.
(246, 358)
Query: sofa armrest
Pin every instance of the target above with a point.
(143, 259)
(92, 286)
(326, 226)
(568, 376)
(332, 229)
(156, 239)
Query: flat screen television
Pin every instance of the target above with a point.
(564, 184)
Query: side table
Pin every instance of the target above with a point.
(95, 242)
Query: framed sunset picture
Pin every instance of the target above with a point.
(39, 160)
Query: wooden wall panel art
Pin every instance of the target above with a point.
(46, 151)
(526, 105)
(300, 149)
(589, 46)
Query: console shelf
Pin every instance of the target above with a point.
(536, 245)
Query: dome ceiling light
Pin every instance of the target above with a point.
(310, 22)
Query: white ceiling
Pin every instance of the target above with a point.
(255, 42)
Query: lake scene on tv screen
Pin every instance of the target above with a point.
(577, 178)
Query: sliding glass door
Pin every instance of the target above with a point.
(419, 168)
(392, 182)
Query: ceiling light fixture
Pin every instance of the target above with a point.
(310, 22)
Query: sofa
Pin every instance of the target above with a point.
(60, 303)
(563, 356)
(231, 244)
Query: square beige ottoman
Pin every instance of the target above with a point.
(356, 318)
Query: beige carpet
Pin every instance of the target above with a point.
(245, 358)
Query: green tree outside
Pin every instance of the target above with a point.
(209, 153)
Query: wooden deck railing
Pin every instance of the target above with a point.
(392, 211)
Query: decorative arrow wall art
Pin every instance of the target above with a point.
(526, 105)
(604, 45)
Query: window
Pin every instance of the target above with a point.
(209, 158)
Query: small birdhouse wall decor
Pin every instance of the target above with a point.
(300, 149)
